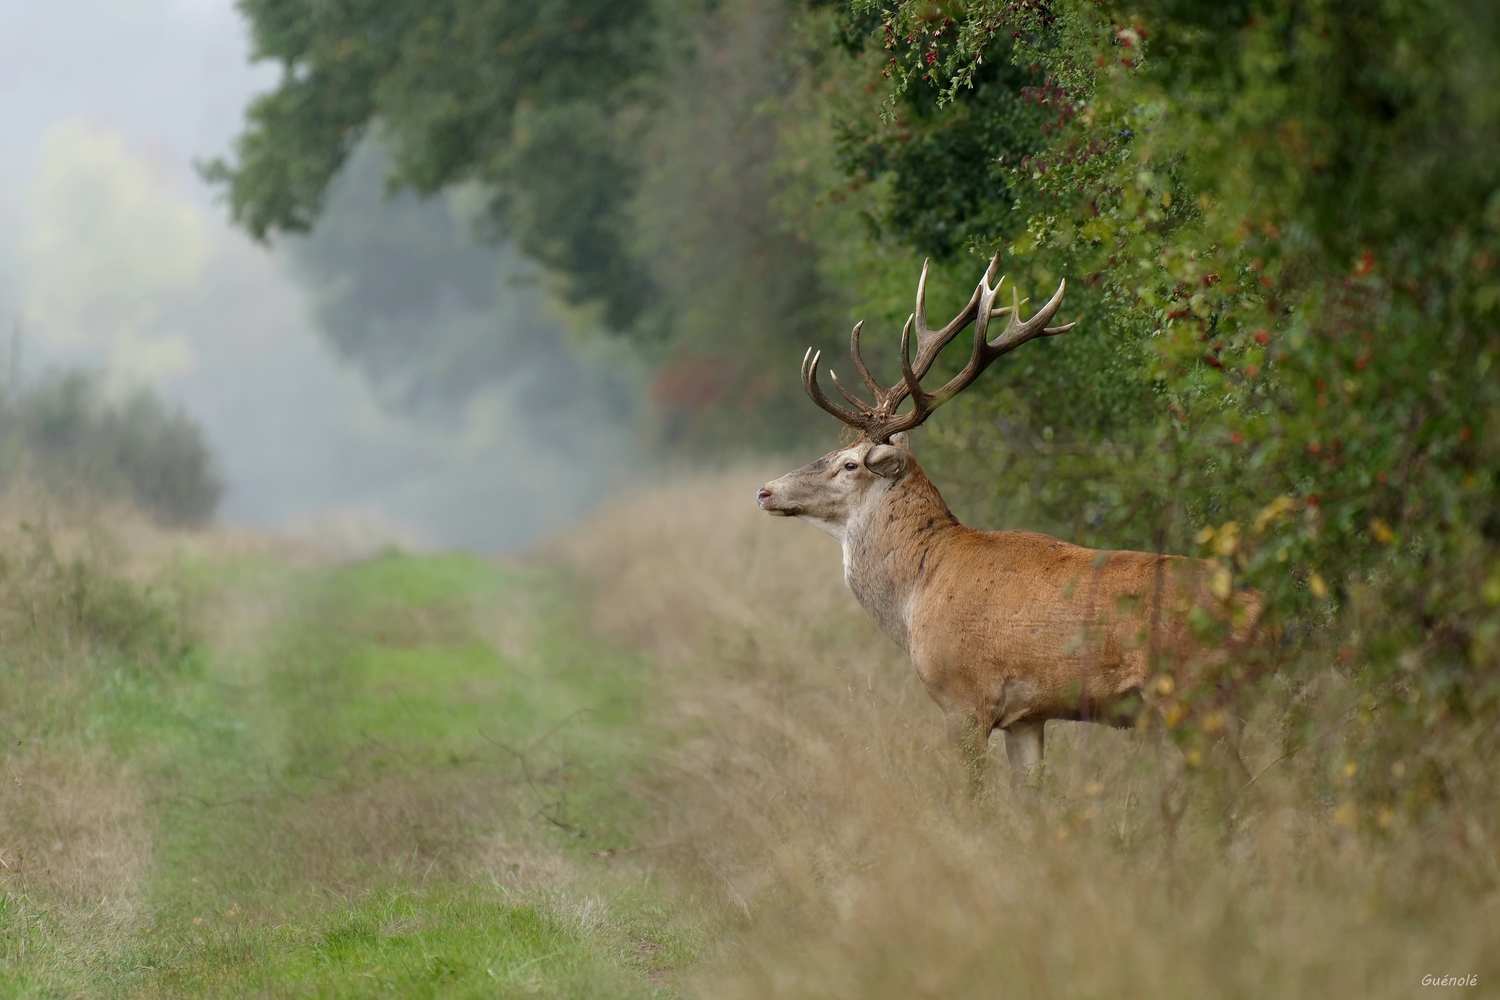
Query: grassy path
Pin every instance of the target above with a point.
(400, 778)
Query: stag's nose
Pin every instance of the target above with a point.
(762, 497)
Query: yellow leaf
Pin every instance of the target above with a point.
(1271, 511)
(1206, 535)
(1221, 584)
(1317, 586)
(1382, 532)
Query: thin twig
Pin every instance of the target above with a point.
(520, 756)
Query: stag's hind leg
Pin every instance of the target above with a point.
(1023, 746)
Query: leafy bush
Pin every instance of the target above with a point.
(70, 435)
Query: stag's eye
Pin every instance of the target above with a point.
(851, 466)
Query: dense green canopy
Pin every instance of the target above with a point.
(1291, 214)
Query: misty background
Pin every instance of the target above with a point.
(387, 378)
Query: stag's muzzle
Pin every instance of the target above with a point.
(766, 501)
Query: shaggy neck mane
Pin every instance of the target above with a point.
(890, 543)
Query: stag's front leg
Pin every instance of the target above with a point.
(1023, 746)
(972, 741)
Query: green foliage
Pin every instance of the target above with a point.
(531, 100)
(951, 163)
(630, 150)
(743, 293)
(68, 433)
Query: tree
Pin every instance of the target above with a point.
(630, 150)
(531, 100)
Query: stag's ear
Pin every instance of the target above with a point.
(886, 460)
(902, 439)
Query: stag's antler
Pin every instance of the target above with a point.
(879, 421)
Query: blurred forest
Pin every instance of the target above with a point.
(1280, 224)
(378, 268)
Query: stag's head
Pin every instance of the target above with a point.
(829, 491)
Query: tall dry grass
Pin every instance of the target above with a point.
(75, 836)
(92, 627)
(813, 803)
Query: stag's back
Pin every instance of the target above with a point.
(1018, 604)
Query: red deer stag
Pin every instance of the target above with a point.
(1006, 629)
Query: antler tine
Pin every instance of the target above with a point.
(919, 399)
(880, 421)
(987, 351)
(859, 363)
(919, 314)
(930, 341)
(810, 383)
(980, 309)
(909, 385)
(1017, 333)
(984, 352)
(993, 270)
(860, 404)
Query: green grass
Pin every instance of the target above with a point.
(404, 777)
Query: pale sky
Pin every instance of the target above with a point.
(116, 255)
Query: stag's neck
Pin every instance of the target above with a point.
(890, 544)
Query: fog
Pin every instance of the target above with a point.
(386, 379)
